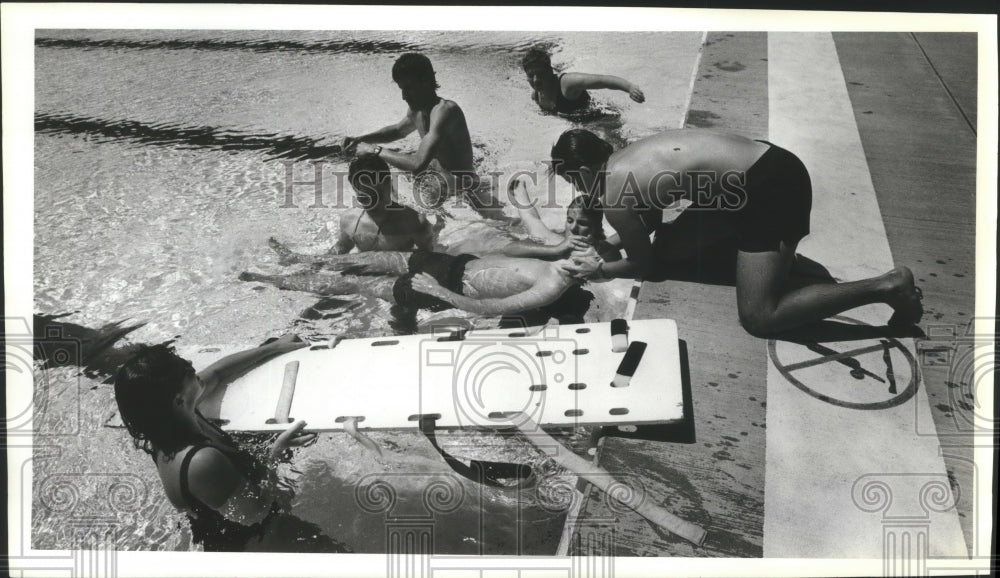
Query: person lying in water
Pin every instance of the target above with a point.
(489, 285)
(764, 196)
(567, 92)
(382, 224)
(584, 234)
(232, 497)
(445, 149)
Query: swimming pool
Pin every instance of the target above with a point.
(161, 163)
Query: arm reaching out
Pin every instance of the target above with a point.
(574, 83)
(547, 252)
(231, 366)
(539, 295)
(441, 116)
(390, 133)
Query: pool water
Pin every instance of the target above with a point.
(161, 161)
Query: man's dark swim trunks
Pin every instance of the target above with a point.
(779, 200)
(447, 270)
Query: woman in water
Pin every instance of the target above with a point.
(567, 91)
(231, 496)
(761, 193)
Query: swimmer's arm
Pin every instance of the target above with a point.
(574, 83)
(232, 366)
(390, 133)
(548, 252)
(539, 295)
(634, 239)
(216, 482)
(419, 160)
(533, 250)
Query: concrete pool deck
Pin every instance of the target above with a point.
(909, 129)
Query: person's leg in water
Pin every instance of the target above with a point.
(766, 306)
(325, 284)
(404, 319)
(367, 262)
(530, 218)
(468, 187)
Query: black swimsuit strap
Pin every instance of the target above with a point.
(189, 498)
(354, 235)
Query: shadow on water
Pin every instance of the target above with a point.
(278, 146)
(321, 46)
(61, 344)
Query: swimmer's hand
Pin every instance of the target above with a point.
(635, 93)
(572, 244)
(363, 148)
(291, 437)
(349, 144)
(289, 342)
(582, 265)
(424, 283)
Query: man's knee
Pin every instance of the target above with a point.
(758, 322)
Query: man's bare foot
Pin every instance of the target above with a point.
(285, 255)
(905, 298)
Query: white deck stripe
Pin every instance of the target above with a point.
(817, 451)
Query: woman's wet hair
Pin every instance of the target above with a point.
(536, 59)
(365, 173)
(413, 66)
(591, 207)
(146, 387)
(578, 148)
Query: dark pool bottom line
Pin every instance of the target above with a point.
(209, 137)
(287, 46)
(329, 46)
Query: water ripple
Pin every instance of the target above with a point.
(328, 46)
(442, 43)
(278, 146)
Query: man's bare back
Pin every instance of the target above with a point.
(687, 152)
(445, 149)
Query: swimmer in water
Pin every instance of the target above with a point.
(232, 497)
(567, 92)
(445, 150)
(382, 224)
(760, 194)
(490, 285)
